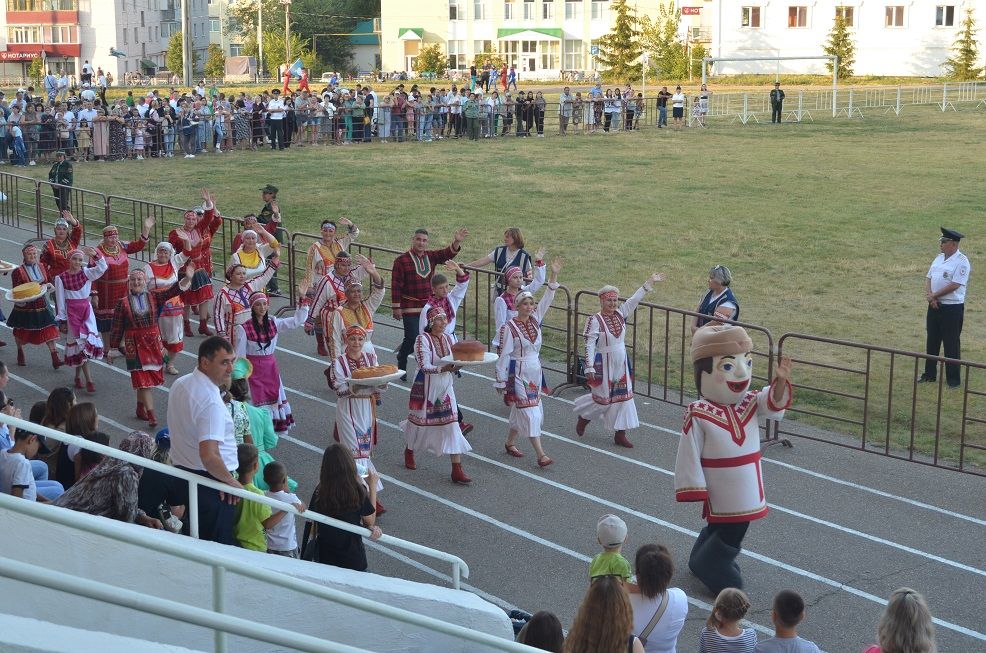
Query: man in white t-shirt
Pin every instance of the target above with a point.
(202, 440)
(62, 87)
(87, 72)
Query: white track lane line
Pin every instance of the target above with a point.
(794, 513)
(519, 532)
(794, 468)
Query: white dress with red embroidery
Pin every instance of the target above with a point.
(431, 422)
(160, 277)
(611, 396)
(232, 307)
(718, 459)
(73, 306)
(356, 407)
(518, 370)
(503, 305)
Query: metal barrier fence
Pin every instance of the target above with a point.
(657, 341)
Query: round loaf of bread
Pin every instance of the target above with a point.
(468, 350)
(25, 290)
(374, 372)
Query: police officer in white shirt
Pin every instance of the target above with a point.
(202, 440)
(944, 288)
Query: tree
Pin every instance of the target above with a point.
(489, 55)
(430, 59)
(215, 62)
(36, 71)
(965, 52)
(669, 55)
(841, 45)
(274, 50)
(620, 49)
(173, 57)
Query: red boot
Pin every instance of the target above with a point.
(459, 476)
(151, 419)
(56, 362)
(78, 383)
(621, 439)
(409, 459)
(90, 387)
(380, 509)
(20, 358)
(141, 413)
(188, 328)
(580, 426)
(204, 328)
(322, 349)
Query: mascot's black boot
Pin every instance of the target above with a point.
(714, 562)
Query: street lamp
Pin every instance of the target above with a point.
(287, 31)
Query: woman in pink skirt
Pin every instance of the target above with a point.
(75, 315)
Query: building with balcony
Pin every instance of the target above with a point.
(541, 38)
(892, 37)
(40, 28)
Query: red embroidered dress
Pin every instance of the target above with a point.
(135, 327)
(55, 256)
(112, 286)
(200, 236)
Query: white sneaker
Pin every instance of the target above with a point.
(140, 158)
(32, 163)
(191, 156)
(218, 151)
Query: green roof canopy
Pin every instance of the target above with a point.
(363, 34)
(506, 32)
(409, 33)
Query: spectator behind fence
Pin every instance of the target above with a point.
(49, 490)
(722, 632)
(788, 612)
(202, 440)
(510, 254)
(159, 494)
(82, 422)
(611, 533)
(604, 622)
(89, 460)
(543, 631)
(906, 625)
(343, 495)
(282, 537)
(16, 476)
(659, 611)
(252, 518)
(110, 490)
(718, 303)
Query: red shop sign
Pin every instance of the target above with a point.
(691, 11)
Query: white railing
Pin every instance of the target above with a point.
(215, 619)
(459, 568)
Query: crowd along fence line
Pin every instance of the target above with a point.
(940, 430)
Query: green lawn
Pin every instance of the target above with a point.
(828, 227)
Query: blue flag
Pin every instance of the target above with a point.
(296, 69)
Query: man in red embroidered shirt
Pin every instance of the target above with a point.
(410, 285)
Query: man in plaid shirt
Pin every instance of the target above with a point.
(410, 285)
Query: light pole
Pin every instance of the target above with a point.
(287, 32)
(260, 38)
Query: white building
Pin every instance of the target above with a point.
(892, 37)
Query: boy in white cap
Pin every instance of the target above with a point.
(611, 532)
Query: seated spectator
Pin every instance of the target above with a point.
(88, 460)
(722, 632)
(38, 467)
(906, 625)
(157, 492)
(543, 631)
(604, 621)
(83, 421)
(659, 611)
(343, 495)
(788, 612)
(110, 490)
(16, 477)
(57, 407)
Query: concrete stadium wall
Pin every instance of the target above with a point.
(86, 555)
(22, 635)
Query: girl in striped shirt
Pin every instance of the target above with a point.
(722, 632)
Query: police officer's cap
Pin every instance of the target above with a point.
(951, 234)
(269, 188)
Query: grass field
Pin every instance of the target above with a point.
(828, 227)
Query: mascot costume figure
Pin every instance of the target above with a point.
(718, 459)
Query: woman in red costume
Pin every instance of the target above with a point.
(194, 239)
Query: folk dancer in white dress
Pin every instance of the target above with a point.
(518, 370)
(328, 294)
(449, 302)
(354, 311)
(432, 409)
(356, 407)
(607, 367)
(162, 274)
(256, 340)
(232, 305)
(718, 459)
(74, 313)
